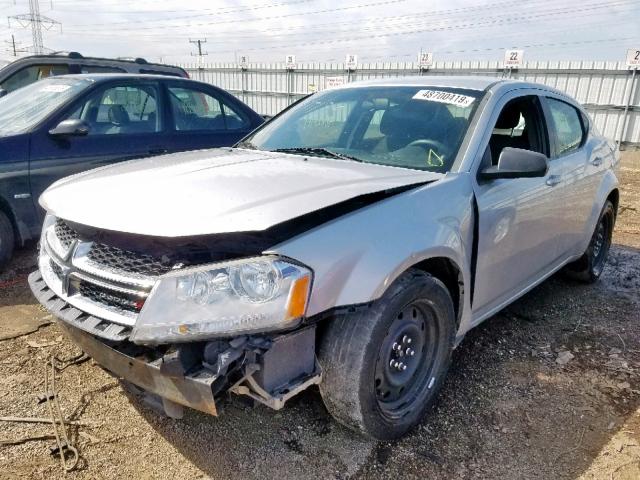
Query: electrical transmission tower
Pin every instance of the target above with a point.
(37, 22)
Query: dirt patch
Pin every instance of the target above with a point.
(508, 409)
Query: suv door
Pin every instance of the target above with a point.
(519, 220)
(125, 120)
(202, 117)
(580, 172)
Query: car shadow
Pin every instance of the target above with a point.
(508, 408)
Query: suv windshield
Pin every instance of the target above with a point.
(24, 108)
(411, 127)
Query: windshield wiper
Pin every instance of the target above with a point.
(318, 152)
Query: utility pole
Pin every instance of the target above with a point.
(200, 53)
(37, 22)
(12, 45)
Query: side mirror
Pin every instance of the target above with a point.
(3, 92)
(70, 128)
(517, 163)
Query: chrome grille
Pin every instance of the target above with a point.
(66, 235)
(127, 261)
(111, 298)
(57, 269)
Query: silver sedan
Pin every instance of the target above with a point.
(350, 242)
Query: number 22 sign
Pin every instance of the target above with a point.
(513, 58)
(633, 58)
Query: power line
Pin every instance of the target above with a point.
(364, 21)
(470, 25)
(275, 17)
(217, 11)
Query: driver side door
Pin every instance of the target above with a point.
(125, 121)
(519, 219)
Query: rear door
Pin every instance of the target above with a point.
(581, 169)
(203, 117)
(125, 120)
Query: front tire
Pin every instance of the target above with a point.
(589, 267)
(383, 367)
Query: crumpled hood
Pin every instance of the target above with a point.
(215, 191)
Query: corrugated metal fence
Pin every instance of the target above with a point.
(609, 90)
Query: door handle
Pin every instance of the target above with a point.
(596, 162)
(553, 180)
(157, 150)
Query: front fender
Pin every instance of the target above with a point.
(357, 256)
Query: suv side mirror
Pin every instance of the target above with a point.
(517, 163)
(3, 92)
(70, 128)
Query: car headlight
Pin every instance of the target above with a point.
(244, 296)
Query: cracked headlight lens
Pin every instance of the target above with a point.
(253, 295)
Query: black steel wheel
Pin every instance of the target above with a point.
(405, 360)
(383, 367)
(590, 266)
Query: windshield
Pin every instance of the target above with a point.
(24, 108)
(411, 127)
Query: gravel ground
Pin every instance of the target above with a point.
(508, 408)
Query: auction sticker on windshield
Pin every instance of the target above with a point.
(444, 97)
(56, 88)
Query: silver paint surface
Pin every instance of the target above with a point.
(527, 228)
(215, 191)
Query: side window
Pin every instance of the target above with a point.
(567, 126)
(32, 74)
(234, 120)
(194, 110)
(519, 125)
(121, 110)
(100, 69)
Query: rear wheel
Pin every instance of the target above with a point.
(590, 266)
(384, 366)
(7, 240)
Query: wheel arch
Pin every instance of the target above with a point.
(614, 197)
(450, 274)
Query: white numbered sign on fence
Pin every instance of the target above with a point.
(513, 58)
(291, 62)
(633, 58)
(244, 62)
(351, 62)
(425, 60)
(333, 82)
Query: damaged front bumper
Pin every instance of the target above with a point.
(270, 373)
(194, 390)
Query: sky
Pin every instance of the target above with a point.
(326, 31)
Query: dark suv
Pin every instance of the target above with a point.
(27, 70)
(63, 125)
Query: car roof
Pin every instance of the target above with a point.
(100, 77)
(479, 83)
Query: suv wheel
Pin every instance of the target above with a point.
(383, 367)
(590, 266)
(7, 240)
